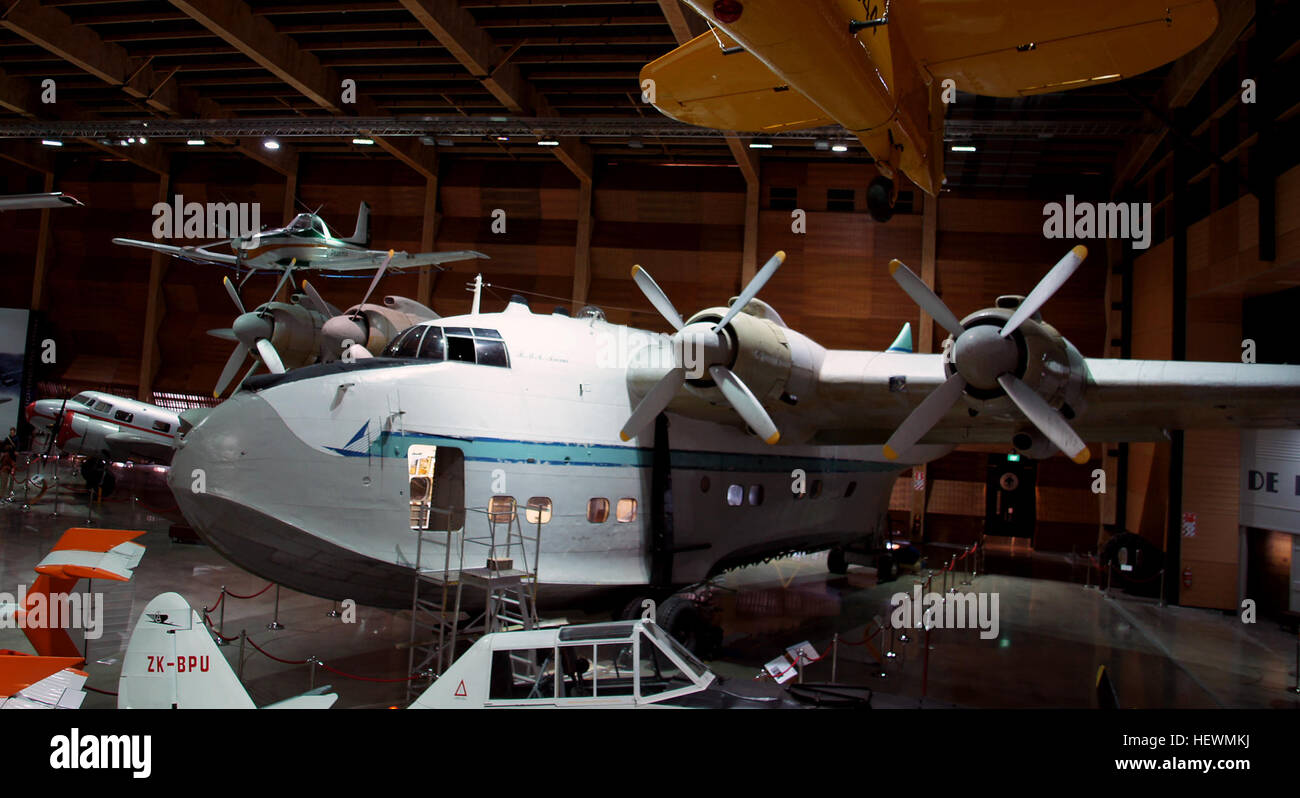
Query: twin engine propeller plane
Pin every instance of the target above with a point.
(107, 427)
(768, 66)
(629, 450)
(305, 243)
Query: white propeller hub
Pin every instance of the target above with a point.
(981, 355)
(699, 346)
(249, 327)
(339, 330)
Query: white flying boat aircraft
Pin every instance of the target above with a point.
(656, 461)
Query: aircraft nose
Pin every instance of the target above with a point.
(29, 411)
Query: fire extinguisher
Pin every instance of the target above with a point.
(1187, 577)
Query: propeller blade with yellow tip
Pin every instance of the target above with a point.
(657, 297)
(745, 403)
(922, 295)
(1047, 286)
(924, 417)
(653, 403)
(751, 290)
(1046, 418)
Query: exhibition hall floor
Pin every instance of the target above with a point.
(1052, 635)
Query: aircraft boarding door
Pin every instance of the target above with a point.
(437, 489)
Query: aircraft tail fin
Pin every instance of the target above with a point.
(361, 237)
(172, 662)
(903, 343)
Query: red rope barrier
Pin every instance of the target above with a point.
(269, 585)
(220, 599)
(274, 657)
(208, 621)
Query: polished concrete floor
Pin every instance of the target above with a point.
(1053, 634)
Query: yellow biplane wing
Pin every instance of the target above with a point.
(701, 85)
(1020, 47)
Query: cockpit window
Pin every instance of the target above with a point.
(407, 343)
(460, 344)
(432, 347)
(83, 399)
(300, 223)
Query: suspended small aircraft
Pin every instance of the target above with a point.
(668, 462)
(55, 199)
(305, 243)
(879, 69)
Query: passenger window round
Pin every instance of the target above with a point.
(626, 511)
(704, 484)
(735, 495)
(598, 510)
(538, 510)
(755, 495)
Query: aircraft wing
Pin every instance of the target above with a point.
(868, 395)
(127, 445)
(373, 259)
(188, 253)
(57, 199)
(40, 683)
(1020, 47)
(698, 84)
(93, 554)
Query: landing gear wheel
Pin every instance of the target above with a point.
(880, 196)
(836, 562)
(886, 569)
(98, 477)
(682, 619)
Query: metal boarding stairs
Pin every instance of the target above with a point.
(509, 593)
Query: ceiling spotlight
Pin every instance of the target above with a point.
(501, 138)
(963, 148)
(363, 141)
(547, 143)
(839, 147)
(131, 140)
(271, 144)
(821, 144)
(196, 142)
(143, 140)
(635, 144)
(446, 142)
(52, 142)
(760, 144)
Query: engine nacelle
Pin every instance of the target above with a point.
(1047, 362)
(81, 435)
(760, 356)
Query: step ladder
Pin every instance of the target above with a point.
(507, 584)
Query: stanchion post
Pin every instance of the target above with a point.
(835, 655)
(57, 483)
(27, 481)
(275, 624)
(243, 635)
(221, 623)
(1296, 689)
(1162, 587)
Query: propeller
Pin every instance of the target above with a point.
(986, 357)
(706, 339)
(354, 327)
(253, 330)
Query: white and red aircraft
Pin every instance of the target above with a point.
(107, 427)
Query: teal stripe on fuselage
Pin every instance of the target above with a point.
(501, 450)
